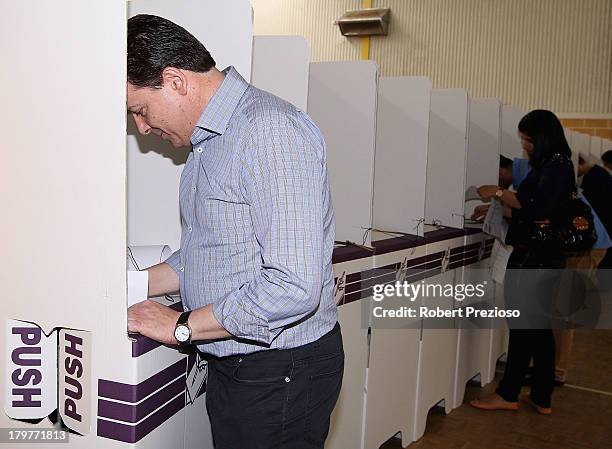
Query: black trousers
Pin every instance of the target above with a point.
(530, 286)
(276, 399)
(524, 345)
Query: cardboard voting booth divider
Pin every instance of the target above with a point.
(399, 205)
(581, 144)
(401, 154)
(63, 198)
(447, 157)
(351, 267)
(474, 338)
(438, 347)
(595, 149)
(510, 143)
(108, 389)
(342, 102)
(484, 142)
(280, 66)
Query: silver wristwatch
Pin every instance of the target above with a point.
(182, 330)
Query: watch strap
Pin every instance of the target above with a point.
(183, 318)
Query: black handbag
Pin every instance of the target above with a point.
(572, 229)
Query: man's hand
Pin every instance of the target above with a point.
(153, 320)
(480, 211)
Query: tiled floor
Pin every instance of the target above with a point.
(580, 420)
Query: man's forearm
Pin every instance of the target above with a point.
(162, 280)
(204, 325)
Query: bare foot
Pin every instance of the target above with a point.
(541, 410)
(493, 401)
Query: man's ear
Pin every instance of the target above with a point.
(175, 79)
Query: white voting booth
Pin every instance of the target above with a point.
(342, 102)
(447, 157)
(124, 391)
(444, 206)
(484, 142)
(595, 149)
(510, 143)
(581, 145)
(474, 339)
(281, 66)
(399, 203)
(401, 156)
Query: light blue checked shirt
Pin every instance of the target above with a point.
(257, 222)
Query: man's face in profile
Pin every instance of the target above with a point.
(159, 111)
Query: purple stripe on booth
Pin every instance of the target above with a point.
(349, 252)
(133, 393)
(397, 243)
(352, 277)
(133, 433)
(132, 413)
(443, 234)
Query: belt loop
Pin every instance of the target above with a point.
(292, 362)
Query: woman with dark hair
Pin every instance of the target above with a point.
(530, 280)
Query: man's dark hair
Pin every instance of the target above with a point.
(607, 157)
(546, 133)
(154, 43)
(505, 162)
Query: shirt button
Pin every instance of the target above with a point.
(182, 269)
(199, 150)
(190, 228)
(194, 188)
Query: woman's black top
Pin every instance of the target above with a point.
(541, 194)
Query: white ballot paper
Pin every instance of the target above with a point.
(494, 223)
(138, 259)
(496, 226)
(499, 261)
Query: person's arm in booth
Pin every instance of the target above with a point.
(163, 277)
(508, 197)
(157, 321)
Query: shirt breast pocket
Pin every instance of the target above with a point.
(225, 222)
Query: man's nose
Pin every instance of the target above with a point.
(141, 124)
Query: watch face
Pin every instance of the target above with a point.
(182, 333)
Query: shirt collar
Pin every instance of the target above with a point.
(217, 113)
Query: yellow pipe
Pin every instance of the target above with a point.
(365, 41)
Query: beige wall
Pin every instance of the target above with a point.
(555, 54)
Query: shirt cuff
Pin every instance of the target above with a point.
(243, 321)
(175, 261)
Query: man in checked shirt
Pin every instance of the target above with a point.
(255, 265)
